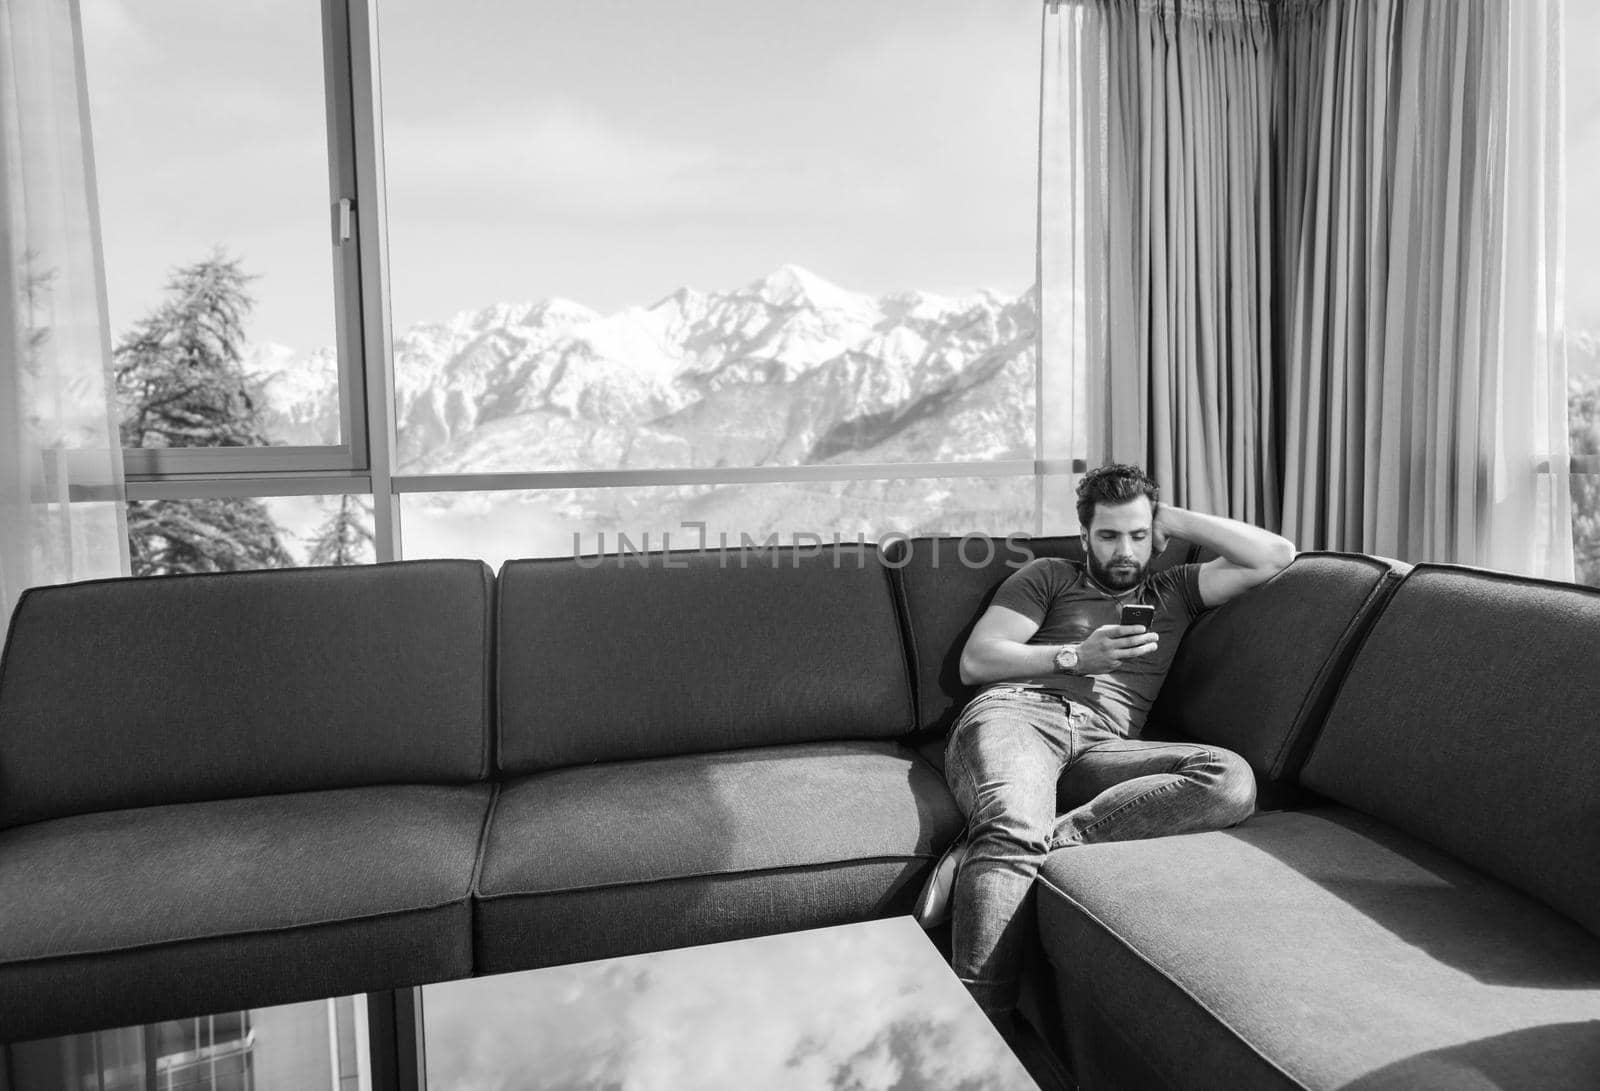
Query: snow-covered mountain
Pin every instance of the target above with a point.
(299, 393)
(787, 370)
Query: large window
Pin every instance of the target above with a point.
(781, 271)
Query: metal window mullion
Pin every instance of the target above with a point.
(343, 205)
(206, 488)
(1038, 288)
(397, 1055)
(152, 1078)
(160, 463)
(725, 475)
(371, 246)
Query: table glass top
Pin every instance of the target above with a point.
(862, 1006)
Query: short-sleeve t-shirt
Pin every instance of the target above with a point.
(1058, 595)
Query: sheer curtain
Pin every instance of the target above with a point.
(1155, 264)
(61, 510)
(1419, 150)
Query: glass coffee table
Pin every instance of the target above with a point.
(866, 1006)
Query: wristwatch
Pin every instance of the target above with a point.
(1067, 659)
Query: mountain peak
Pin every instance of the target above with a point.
(550, 312)
(791, 286)
(558, 311)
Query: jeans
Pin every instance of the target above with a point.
(1010, 751)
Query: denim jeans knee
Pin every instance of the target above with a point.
(1234, 789)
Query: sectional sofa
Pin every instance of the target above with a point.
(240, 790)
(1419, 904)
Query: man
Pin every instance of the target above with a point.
(1066, 689)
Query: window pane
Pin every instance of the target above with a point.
(804, 234)
(295, 1047)
(238, 533)
(212, 167)
(1586, 518)
(498, 526)
(1583, 286)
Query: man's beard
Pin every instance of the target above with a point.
(1113, 577)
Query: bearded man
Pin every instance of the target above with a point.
(1065, 691)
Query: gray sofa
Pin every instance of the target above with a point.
(240, 790)
(1422, 911)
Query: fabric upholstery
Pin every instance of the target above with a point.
(616, 658)
(595, 860)
(1469, 719)
(1318, 949)
(1256, 674)
(523, 932)
(133, 916)
(946, 583)
(131, 692)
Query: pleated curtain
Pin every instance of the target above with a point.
(1419, 153)
(1156, 135)
(1312, 279)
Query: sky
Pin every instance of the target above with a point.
(605, 151)
(610, 151)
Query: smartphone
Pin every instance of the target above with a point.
(1139, 615)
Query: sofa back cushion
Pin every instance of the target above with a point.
(1469, 719)
(132, 692)
(1256, 675)
(946, 583)
(646, 655)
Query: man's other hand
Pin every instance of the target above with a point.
(1108, 646)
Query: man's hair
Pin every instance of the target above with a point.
(1113, 483)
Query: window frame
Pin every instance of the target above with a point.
(365, 463)
(346, 171)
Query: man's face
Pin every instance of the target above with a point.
(1118, 542)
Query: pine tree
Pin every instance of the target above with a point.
(346, 536)
(229, 534)
(180, 370)
(181, 381)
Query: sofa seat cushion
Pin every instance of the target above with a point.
(610, 859)
(1314, 949)
(161, 912)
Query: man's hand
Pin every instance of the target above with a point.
(1159, 532)
(1110, 645)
